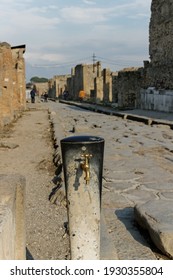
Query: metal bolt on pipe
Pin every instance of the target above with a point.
(82, 158)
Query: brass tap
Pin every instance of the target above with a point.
(85, 166)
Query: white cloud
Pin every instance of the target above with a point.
(83, 15)
(90, 15)
(42, 58)
(89, 2)
(58, 31)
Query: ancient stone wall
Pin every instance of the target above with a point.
(19, 84)
(78, 81)
(107, 85)
(156, 73)
(58, 84)
(6, 83)
(61, 84)
(91, 79)
(12, 82)
(89, 74)
(115, 87)
(52, 88)
(41, 88)
(159, 72)
(98, 86)
(70, 86)
(101, 85)
(161, 32)
(126, 87)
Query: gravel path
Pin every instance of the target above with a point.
(26, 148)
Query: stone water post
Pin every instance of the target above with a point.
(82, 158)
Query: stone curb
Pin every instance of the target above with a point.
(123, 115)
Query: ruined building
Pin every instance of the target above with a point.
(90, 78)
(148, 87)
(82, 78)
(58, 85)
(12, 82)
(151, 86)
(126, 87)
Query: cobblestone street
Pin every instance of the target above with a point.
(137, 169)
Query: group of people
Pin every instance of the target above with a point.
(44, 97)
(33, 94)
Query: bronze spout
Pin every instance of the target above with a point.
(86, 168)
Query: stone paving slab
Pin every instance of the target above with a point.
(107, 248)
(127, 241)
(157, 217)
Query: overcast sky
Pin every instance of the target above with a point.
(60, 34)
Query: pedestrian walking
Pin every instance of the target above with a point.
(32, 93)
(45, 97)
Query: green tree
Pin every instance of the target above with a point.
(38, 80)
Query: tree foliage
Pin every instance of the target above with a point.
(38, 80)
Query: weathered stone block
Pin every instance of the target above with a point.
(157, 217)
(12, 215)
(7, 230)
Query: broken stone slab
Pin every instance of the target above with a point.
(156, 216)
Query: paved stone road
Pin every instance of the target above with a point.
(137, 169)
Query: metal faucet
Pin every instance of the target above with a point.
(85, 166)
